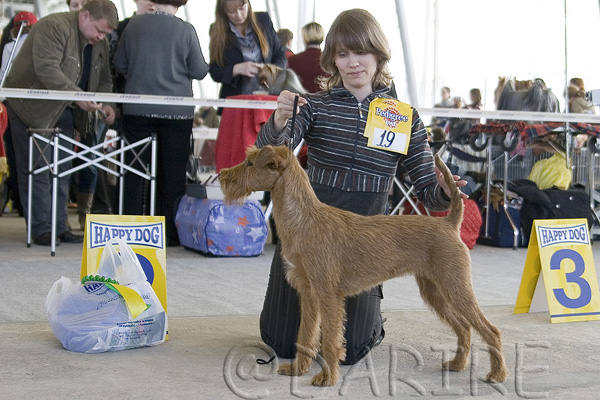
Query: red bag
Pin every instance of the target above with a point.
(470, 226)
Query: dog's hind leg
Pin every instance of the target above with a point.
(308, 337)
(460, 295)
(333, 316)
(434, 298)
(492, 336)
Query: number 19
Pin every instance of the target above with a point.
(387, 136)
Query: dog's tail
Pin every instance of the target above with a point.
(456, 205)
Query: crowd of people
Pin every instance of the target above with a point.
(576, 95)
(156, 53)
(159, 54)
(448, 101)
(110, 55)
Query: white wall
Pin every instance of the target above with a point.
(477, 42)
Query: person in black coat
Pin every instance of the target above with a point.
(240, 42)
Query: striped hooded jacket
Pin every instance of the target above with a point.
(332, 125)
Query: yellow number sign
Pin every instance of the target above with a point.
(559, 260)
(389, 125)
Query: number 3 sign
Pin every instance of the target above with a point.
(560, 254)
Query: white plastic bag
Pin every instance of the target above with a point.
(93, 318)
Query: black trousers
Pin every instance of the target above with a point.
(41, 195)
(280, 316)
(11, 180)
(173, 147)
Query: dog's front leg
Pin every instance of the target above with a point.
(333, 315)
(308, 338)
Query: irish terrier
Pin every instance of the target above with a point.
(331, 254)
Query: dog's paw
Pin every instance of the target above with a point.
(323, 379)
(290, 370)
(498, 376)
(455, 365)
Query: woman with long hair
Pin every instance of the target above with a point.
(345, 171)
(240, 42)
(475, 95)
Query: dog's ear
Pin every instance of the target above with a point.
(251, 153)
(271, 68)
(266, 74)
(262, 75)
(272, 157)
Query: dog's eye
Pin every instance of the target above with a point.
(249, 163)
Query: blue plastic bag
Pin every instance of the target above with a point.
(218, 229)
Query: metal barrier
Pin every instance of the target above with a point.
(36, 136)
(259, 104)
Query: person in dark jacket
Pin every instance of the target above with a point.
(240, 42)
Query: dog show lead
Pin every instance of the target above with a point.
(346, 170)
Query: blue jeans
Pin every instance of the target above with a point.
(87, 177)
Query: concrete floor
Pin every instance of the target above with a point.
(214, 304)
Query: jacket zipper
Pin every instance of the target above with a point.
(356, 137)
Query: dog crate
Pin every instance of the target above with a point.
(519, 166)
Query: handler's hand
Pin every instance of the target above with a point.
(459, 183)
(109, 113)
(248, 68)
(285, 108)
(89, 106)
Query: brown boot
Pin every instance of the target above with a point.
(84, 206)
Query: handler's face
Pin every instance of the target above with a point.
(236, 11)
(356, 69)
(93, 30)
